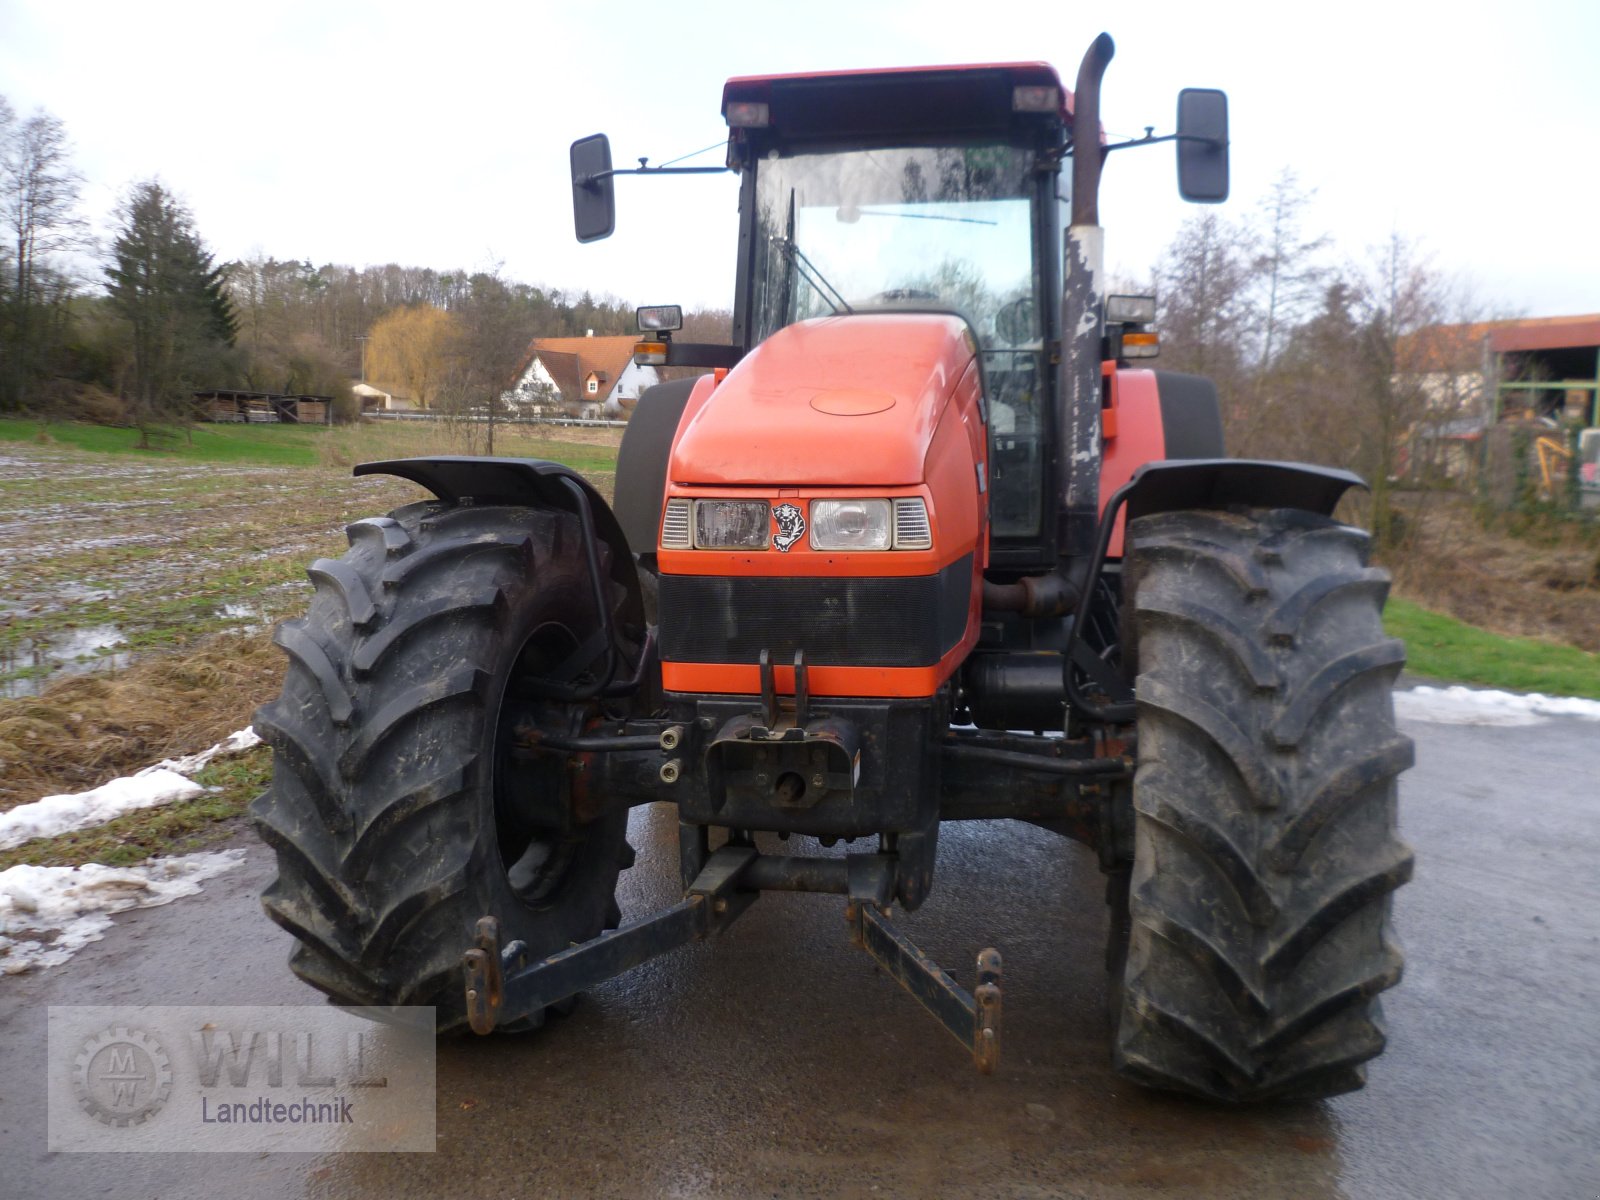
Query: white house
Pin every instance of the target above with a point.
(586, 377)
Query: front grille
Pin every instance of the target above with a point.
(878, 622)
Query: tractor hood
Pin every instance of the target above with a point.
(846, 401)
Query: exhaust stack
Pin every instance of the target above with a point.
(1082, 315)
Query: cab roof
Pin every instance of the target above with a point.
(893, 100)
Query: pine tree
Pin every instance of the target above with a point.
(164, 283)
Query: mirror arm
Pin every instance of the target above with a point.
(1169, 137)
(592, 182)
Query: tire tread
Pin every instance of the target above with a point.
(1266, 851)
(379, 781)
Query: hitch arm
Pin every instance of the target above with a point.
(501, 987)
(972, 1018)
(577, 968)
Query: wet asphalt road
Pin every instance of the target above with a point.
(775, 1062)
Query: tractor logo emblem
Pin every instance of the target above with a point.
(790, 526)
(122, 1077)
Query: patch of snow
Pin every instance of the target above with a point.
(245, 614)
(236, 742)
(1484, 706)
(81, 810)
(160, 784)
(72, 906)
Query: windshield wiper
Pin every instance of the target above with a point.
(873, 212)
(809, 272)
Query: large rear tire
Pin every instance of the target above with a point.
(398, 809)
(1265, 845)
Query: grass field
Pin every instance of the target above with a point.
(268, 445)
(314, 445)
(1444, 648)
(179, 828)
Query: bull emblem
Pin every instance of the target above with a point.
(790, 526)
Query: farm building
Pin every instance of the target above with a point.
(1538, 375)
(230, 405)
(377, 400)
(1530, 368)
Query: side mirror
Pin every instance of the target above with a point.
(1203, 145)
(594, 200)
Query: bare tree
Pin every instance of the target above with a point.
(1205, 311)
(38, 211)
(8, 122)
(1402, 296)
(497, 328)
(1309, 412)
(1287, 265)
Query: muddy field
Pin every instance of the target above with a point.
(105, 557)
(137, 597)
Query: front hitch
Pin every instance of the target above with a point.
(503, 988)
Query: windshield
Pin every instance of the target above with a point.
(920, 226)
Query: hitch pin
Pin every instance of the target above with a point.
(485, 981)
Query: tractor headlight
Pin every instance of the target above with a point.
(731, 524)
(850, 525)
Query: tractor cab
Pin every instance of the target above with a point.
(937, 191)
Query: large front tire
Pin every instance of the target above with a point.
(1265, 845)
(399, 810)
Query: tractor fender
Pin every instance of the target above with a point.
(1219, 483)
(525, 482)
(642, 462)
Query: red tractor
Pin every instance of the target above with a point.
(928, 544)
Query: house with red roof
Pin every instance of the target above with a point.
(591, 378)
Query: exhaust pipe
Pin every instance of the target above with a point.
(1053, 595)
(1083, 316)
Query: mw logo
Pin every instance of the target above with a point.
(123, 1076)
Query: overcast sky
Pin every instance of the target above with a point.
(436, 134)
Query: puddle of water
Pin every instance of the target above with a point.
(79, 593)
(243, 618)
(75, 652)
